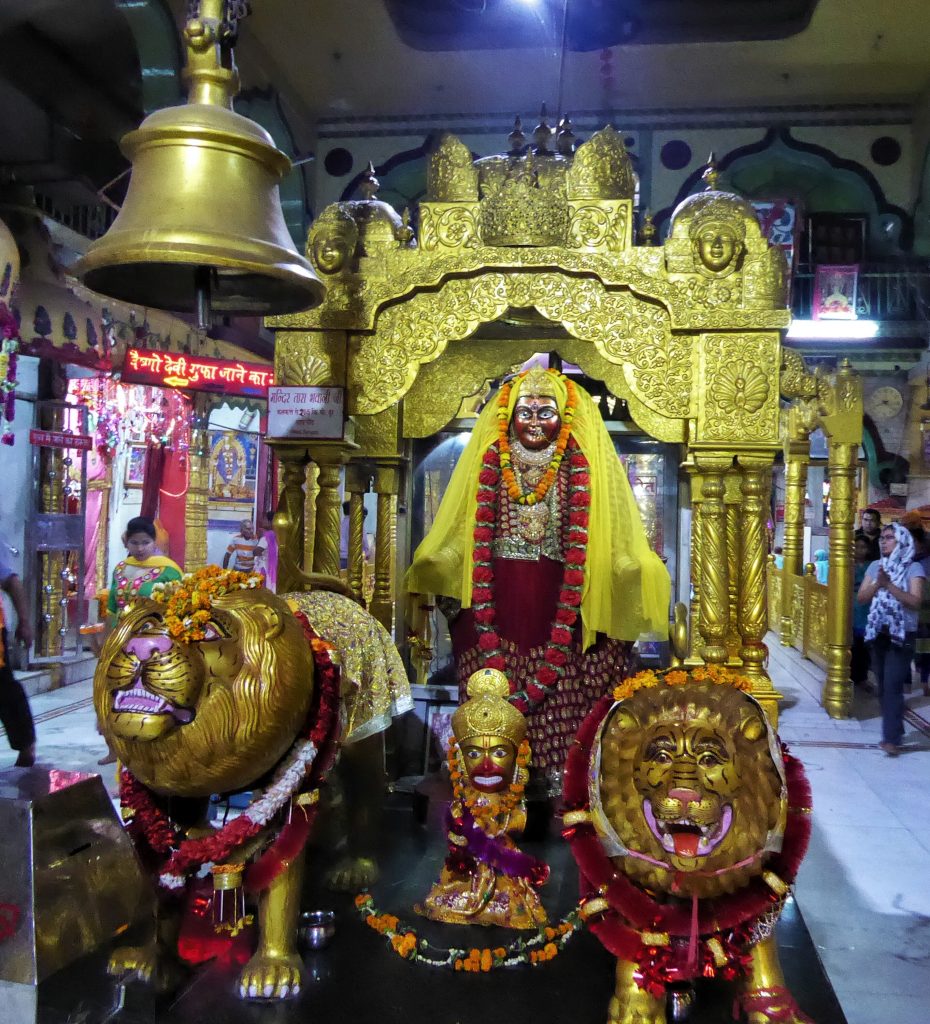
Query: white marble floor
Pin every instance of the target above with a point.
(864, 888)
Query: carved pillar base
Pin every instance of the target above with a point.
(752, 619)
(358, 481)
(715, 591)
(837, 688)
(387, 485)
(796, 458)
(329, 456)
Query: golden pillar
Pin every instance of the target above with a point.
(837, 687)
(732, 499)
(387, 485)
(288, 521)
(358, 482)
(104, 485)
(715, 590)
(797, 454)
(329, 456)
(196, 509)
(752, 617)
(695, 641)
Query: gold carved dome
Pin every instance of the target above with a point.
(525, 197)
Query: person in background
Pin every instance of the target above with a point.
(821, 565)
(246, 549)
(270, 539)
(14, 705)
(922, 641)
(859, 655)
(871, 528)
(142, 568)
(894, 585)
(137, 574)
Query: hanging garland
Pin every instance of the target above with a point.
(568, 606)
(297, 779)
(403, 938)
(659, 936)
(9, 346)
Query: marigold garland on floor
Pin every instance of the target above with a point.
(403, 938)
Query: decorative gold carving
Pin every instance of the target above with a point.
(195, 518)
(796, 381)
(288, 521)
(310, 359)
(602, 168)
(329, 456)
(740, 394)
(603, 227)
(332, 240)
(448, 226)
(387, 485)
(624, 330)
(715, 598)
(523, 200)
(358, 481)
(451, 177)
(795, 490)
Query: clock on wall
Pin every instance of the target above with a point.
(884, 403)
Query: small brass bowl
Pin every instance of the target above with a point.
(316, 928)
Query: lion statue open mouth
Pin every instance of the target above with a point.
(216, 687)
(688, 823)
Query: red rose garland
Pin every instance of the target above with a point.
(177, 857)
(573, 577)
(630, 919)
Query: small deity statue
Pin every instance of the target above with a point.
(486, 878)
(539, 559)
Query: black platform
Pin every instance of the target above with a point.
(359, 980)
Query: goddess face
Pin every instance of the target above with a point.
(330, 254)
(717, 246)
(536, 421)
(489, 762)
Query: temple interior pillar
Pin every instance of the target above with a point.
(837, 688)
(715, 587)
(797, 455)
(358, 483)
(387, 485)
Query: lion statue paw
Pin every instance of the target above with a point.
(351, 874)
(148, 964)
(268, 976)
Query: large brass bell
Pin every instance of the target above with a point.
(201, 225)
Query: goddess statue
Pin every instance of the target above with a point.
(486, 878)
(539, 559)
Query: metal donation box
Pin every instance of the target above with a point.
(70, 879)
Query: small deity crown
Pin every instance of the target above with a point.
(539, 383)
(488, 712)
(719, 209)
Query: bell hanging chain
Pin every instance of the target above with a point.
(234, 12)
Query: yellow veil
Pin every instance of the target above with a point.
(627, 588)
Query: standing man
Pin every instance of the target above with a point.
(871, 529)
(246, 549)
(14, 707)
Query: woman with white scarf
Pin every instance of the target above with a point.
(894, 584)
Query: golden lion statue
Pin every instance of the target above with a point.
(688, 823)
(220, 686)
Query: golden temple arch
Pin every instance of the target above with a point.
(534, 250)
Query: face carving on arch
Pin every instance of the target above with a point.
(717, 246)
(536, 421)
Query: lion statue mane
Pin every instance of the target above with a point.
(214, 688)
(688, 821)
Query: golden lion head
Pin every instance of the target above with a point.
(209, 716)
(691, 788)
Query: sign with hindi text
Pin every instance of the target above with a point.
(196, 373)
(306, 413)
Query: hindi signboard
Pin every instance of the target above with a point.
(306, 413)
(196, 373)
(60, 439)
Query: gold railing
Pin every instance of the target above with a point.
(808, 610)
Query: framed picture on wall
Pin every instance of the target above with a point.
(780, 222)
(135, 466)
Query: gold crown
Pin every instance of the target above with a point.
(538, 383)
(523, 200)
(488, 712)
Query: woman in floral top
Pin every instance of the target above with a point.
(142, 568)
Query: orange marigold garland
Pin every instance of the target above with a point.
(545, 945)
(539, 492)
(189, 600)
(568, 607)
(679, 677)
